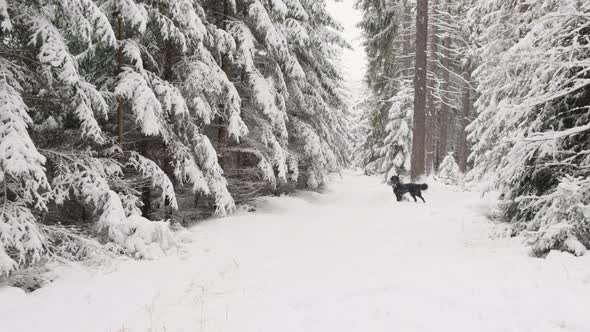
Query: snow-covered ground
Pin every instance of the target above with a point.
(349, 260)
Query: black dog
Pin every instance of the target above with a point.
(399, 189)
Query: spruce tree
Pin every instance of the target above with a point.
(531, 130)
(387, 33)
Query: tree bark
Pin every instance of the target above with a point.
(407, 41)
(444, 117)
(431, 109)
(418, 140)
(464, 117)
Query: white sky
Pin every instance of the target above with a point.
(354, 60)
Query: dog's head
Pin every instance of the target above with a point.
(394, 180)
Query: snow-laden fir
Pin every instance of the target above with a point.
(117, 112)
(449, 172)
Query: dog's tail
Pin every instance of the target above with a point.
(423, 186)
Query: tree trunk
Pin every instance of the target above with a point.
(464, 118)
(418, 152)
(443, 128)
(407, 42)
(431, 110)
(444, 116)
(452, 138)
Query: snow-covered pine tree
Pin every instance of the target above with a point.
(398, 142)
(69, 110)
(319, 114)
(161, 119)
(361, 113)
(449, 171)
(200, 94)
(22, 173)
(387, 30)
(532, 128)
(270, 69)
(64, 103)
(256, 68)
(41, 96)
(118, 118)
(394, 155)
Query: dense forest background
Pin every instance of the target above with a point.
(494, 91)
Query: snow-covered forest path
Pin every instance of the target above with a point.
(349, 260)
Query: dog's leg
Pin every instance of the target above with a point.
(422, 198)
(398, 196)
(395, 194)
(414, 197)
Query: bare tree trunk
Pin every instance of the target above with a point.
(444, 116)
(418, 140)
(431, 110)
(452, 138)
(464, 118)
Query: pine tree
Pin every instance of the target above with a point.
(22, 173)
(42, 96)
(531, 130)
(449, 172)
(398, 141)
(388, 43)
(321, 136)
(130, 105)
(283, 72)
